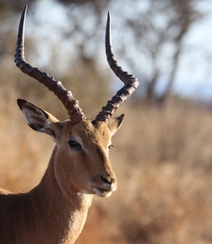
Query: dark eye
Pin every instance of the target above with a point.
(74, 145)
(110, 146)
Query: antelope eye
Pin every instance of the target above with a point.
(74, 145)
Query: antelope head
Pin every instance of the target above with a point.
(81, 156)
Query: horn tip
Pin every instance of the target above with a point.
(25, 8)
(108, 16)
(23, 16)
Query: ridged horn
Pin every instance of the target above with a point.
(65, 96)
(130, 82)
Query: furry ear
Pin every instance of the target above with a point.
(38, 119)
(115, 123)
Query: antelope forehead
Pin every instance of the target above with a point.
(90, 136)
(98, 132)
(89, 142)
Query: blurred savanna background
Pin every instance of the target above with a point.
(163, 152)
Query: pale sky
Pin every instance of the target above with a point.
(194, 75)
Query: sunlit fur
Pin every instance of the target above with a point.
(55, 211)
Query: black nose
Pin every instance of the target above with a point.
(107, 180)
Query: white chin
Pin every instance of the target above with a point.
(101, 192)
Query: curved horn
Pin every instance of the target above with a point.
(131, 83)
(65, 96)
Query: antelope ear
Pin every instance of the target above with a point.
(115, 123)
(38, 119)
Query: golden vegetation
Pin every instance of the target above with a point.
(162, 159)
(163, 162)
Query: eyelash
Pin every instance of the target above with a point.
(110, 146)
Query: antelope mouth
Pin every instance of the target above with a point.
(101, 192)
(104, 189)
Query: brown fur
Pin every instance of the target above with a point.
(55, 211)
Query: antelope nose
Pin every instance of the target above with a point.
(109, 183)
(107, 180)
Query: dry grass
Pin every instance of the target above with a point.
(163, 162)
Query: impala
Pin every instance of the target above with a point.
(55, 210)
